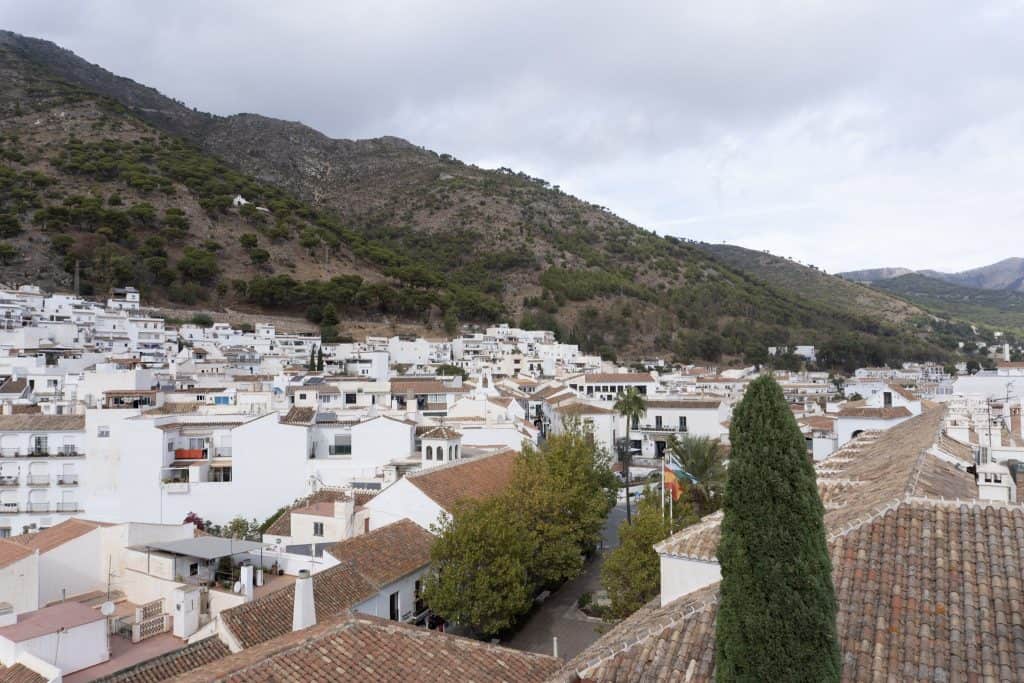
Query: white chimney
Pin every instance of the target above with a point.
(246, 578)
(304, 612)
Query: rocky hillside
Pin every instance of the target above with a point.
(134, 187)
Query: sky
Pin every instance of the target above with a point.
(842, 134)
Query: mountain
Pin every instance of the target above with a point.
(1007, 274)
(1000, 308)
(874, 274)
(129, 186)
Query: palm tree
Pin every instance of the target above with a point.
(631, 405)
(703, 459)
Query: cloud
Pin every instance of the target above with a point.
(847, 135)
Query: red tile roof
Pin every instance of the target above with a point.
(11, 552)
(282, 526)
(19, 673)
(875, 413)
(172, 664)
(618, 378)
(387, 554)
(473, 479)
(335, 590)
(57, 535)
(362, 648)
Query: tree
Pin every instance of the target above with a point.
(630, 405)
(329, 317)
(320, 358)
(241, 529)
(451, 322)
(973, 366)
(777, 611)
(631, 573)
(8, 253)
(702, 458)
(479, 568)
(449, 370)
(193, 518)
(311, 363)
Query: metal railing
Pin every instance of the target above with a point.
(11, 480)
(68, 506)
(67, 479)
(9, 508)
(39, 507)
(38, 479)
(661, 428)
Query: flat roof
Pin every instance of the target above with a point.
(41, 622)
(205, 547)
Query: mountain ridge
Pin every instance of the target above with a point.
(138, 188)
(1007, 274)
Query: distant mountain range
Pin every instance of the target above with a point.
(1007, 274)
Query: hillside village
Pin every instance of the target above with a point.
(131, 449)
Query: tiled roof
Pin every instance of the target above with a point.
(19, 673)
(927, 583)
(446, 433)
(299, 416)
(172, 664)
(48, 423)
(875, 413)
(929, 591)
(385, 555)
(957, 448)
(858, 481)
(57, 535)
(399, 387)
(11, 552)
(363, 648)
(13, 386)
(474, 479)
(548, 392)
(820, 423)
(579, 408)
(282, 526)
(902, 391)
(334, 590)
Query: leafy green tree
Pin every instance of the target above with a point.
(702, 457)
(329, 315)
(480, 568)
(8, 252)
(631, 573)
(198, 265)
(320, 358)
(448, 370)
(777, 614)
(451, 322)
(311, 363)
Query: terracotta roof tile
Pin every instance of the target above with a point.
(54, 423)
(385, 555)
(875, 413)
(173, 663)
(335, 590)
(282, 526)
(11, 552)
(299, 416)
(19, 673)
(473, 479)
(362, 648)
(618, 378)
(57, 535)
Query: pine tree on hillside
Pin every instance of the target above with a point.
(777, 615)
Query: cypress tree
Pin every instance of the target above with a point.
(777, 615)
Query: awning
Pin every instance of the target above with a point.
(206, 547)
(221, 462)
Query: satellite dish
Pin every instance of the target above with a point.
(237, 587)
(107, 608)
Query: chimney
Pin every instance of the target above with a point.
(1015, 432)
(304, 612)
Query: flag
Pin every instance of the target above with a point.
(675, 477)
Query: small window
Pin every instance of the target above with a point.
(302, 397)
(318, 529)
(430, 452)
(193, 569)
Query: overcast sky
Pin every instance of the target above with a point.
(846, 135)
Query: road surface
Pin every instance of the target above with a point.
(558, 615)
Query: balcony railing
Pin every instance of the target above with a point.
(67, 479)
(677, 429)
(39, 507)
(38, 479)
(339, 450)
(9, 508)
(9, 480)
(68, 506)
(64, 452)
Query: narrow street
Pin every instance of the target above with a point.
(558, 616)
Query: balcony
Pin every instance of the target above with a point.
(39, 507)
(67, 480)
(9, 508)
(661, 428)
(189, 454)
(68, 452)
(39, 480)
(339, 450)
(68, 506)
(11, 480)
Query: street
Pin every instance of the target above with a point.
(559, 616)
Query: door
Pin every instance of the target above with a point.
(393, 607)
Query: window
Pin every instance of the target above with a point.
(193, 569)
(342, 445)
(302, 397)
(318, 529)
(450, 452)
(418, 594)
(350, 399)
(887, 399)
(657, 421)
(430, 452)
(393, 600)
(682, 423)
(636, 422)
